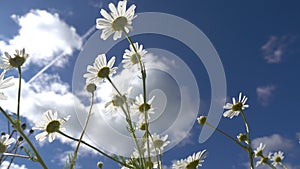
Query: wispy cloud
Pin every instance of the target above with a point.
(96, 4)
(44, 36)
(277, 47)
(265, 93)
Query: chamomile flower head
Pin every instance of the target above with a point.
(140, 107)
(235, 107)
(100, 70)
(50, 124)
(5, 83)
(158, 143)
(262, 161)
(276, 158)
(192, 162)
(117, 21)
(5, 142)
(118, 101)
(132, 58)
(9, 62)
(259, 150)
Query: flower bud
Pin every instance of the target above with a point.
(242, 137)
(99, 164)
(91, 87)
(23, 126)
(201, 120)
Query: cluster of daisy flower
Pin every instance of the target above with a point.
(272, 159)
(243, 139)
(117, 22)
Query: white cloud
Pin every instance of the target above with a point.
(104, 131)
(265, 93)
(273, 143)
(276, 48)
(44, 36)
(41, 96)
(5, 165)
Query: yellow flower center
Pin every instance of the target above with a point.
(277, 159)
(192, 165)
(158, 143)
(135, 58)
(53, 126)
(118, 101)
(119, 23)
(17, 61)
(237, 107)
(259, 153)
(2, 148)
(144, 107)
(104, 72)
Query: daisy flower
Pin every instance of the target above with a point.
(192, 162)
(100, 70)
(5, 142)
(50, 124)
(18, 60)
(259, 150)
(235, 107)
(276, 158)
(131, 58)
(158, 143)
(140, 107)
(117, 21)
(262, 161)
(118, 101)
(5, 83)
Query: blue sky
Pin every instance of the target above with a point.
(257, 42)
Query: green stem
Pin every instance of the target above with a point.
(249, 140)
(94, 148)
(284, 166)
(83, 131)
(270, 165)
(16, 155)
(128, 118)
(226, 135)
(16, 124)
(19, 94)
(143, 72)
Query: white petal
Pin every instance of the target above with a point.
(117, 35)
(111, 62)
(106, 15)
(113, 9)
(41, 136)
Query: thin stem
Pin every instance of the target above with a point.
(249, 140)
(95, 148)
(16, 155)
(226, 135)
(13, 157)
(19, 94)
(270, 165)
(18, 128)
(284, 166)
(143, 72)
(128, 118)
(83, 131)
